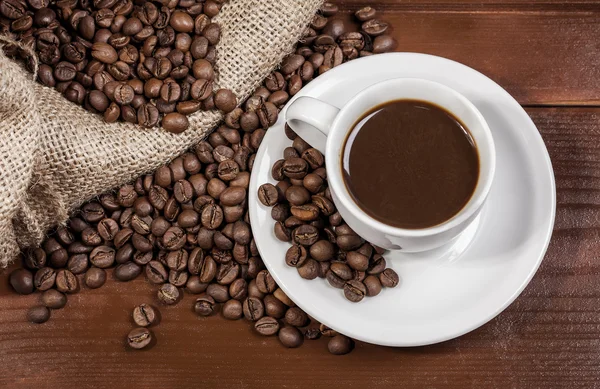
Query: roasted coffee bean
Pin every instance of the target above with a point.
(174, 238)
(147, 115)
(265, 282)
(322, 250)
(280, 212)
(144, 315)
(377, 265)
(349, 242)
(253, 308)
(177, 260)
(204, 305)
(212, 216)
(384, 44)
(373, 285)
(125, 253)
(253, 290)
(297, 195)
(305, 235)
(208, 269)
(357, 261)
(168, 294)
(35, 259)
(312, 334)
(296, 256)
(156, 272)
(274, 307)
(175, 122)
(102, 257)
(267, 326)
(354, 291)
(44, 278)
(267, 194)
(334, 280)
(218, 292)
(228, 170)
(282, 232)
(127, 271)
(329, 9)
(232, 310)
(267, 114)
(291, 337)
(309, 270)
(139, 338)
(91, 237)
(66, 282)
(365, 14)
(104, 52)
(340, 345)
(38, 314)
(94, 278)
(22, 281)
(296, 317)
(78, 263)
(54, 299)
(227, 273)
(238, 289)
(389, 278)
(374, 27)
(194, 286)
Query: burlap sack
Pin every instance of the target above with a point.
(54, 155)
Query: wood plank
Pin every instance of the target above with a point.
(541, 58)
(473, 5)
(550, 336)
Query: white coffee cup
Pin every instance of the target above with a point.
(326, 128)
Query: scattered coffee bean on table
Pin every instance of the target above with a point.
(186, 226)
(144, 315)
(137, 62)
(139, 338)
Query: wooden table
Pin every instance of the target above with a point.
(547, 55)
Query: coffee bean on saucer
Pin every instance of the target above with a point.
(139, 338)
(354, 291)
(144, 315)
(267, 194)
(389, 278)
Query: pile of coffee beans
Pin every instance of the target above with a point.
(322, 244)
(186, 227)
(138, 61)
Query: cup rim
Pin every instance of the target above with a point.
(340, 190)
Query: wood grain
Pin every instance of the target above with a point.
(549, 337)
(540, 57)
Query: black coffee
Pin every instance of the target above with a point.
(410, 164)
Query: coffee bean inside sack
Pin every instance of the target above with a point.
(185, 228)
(150, 63)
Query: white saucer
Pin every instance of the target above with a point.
(440, 296)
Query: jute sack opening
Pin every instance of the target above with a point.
(55, 155)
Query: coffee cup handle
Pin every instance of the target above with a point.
(311, 119)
